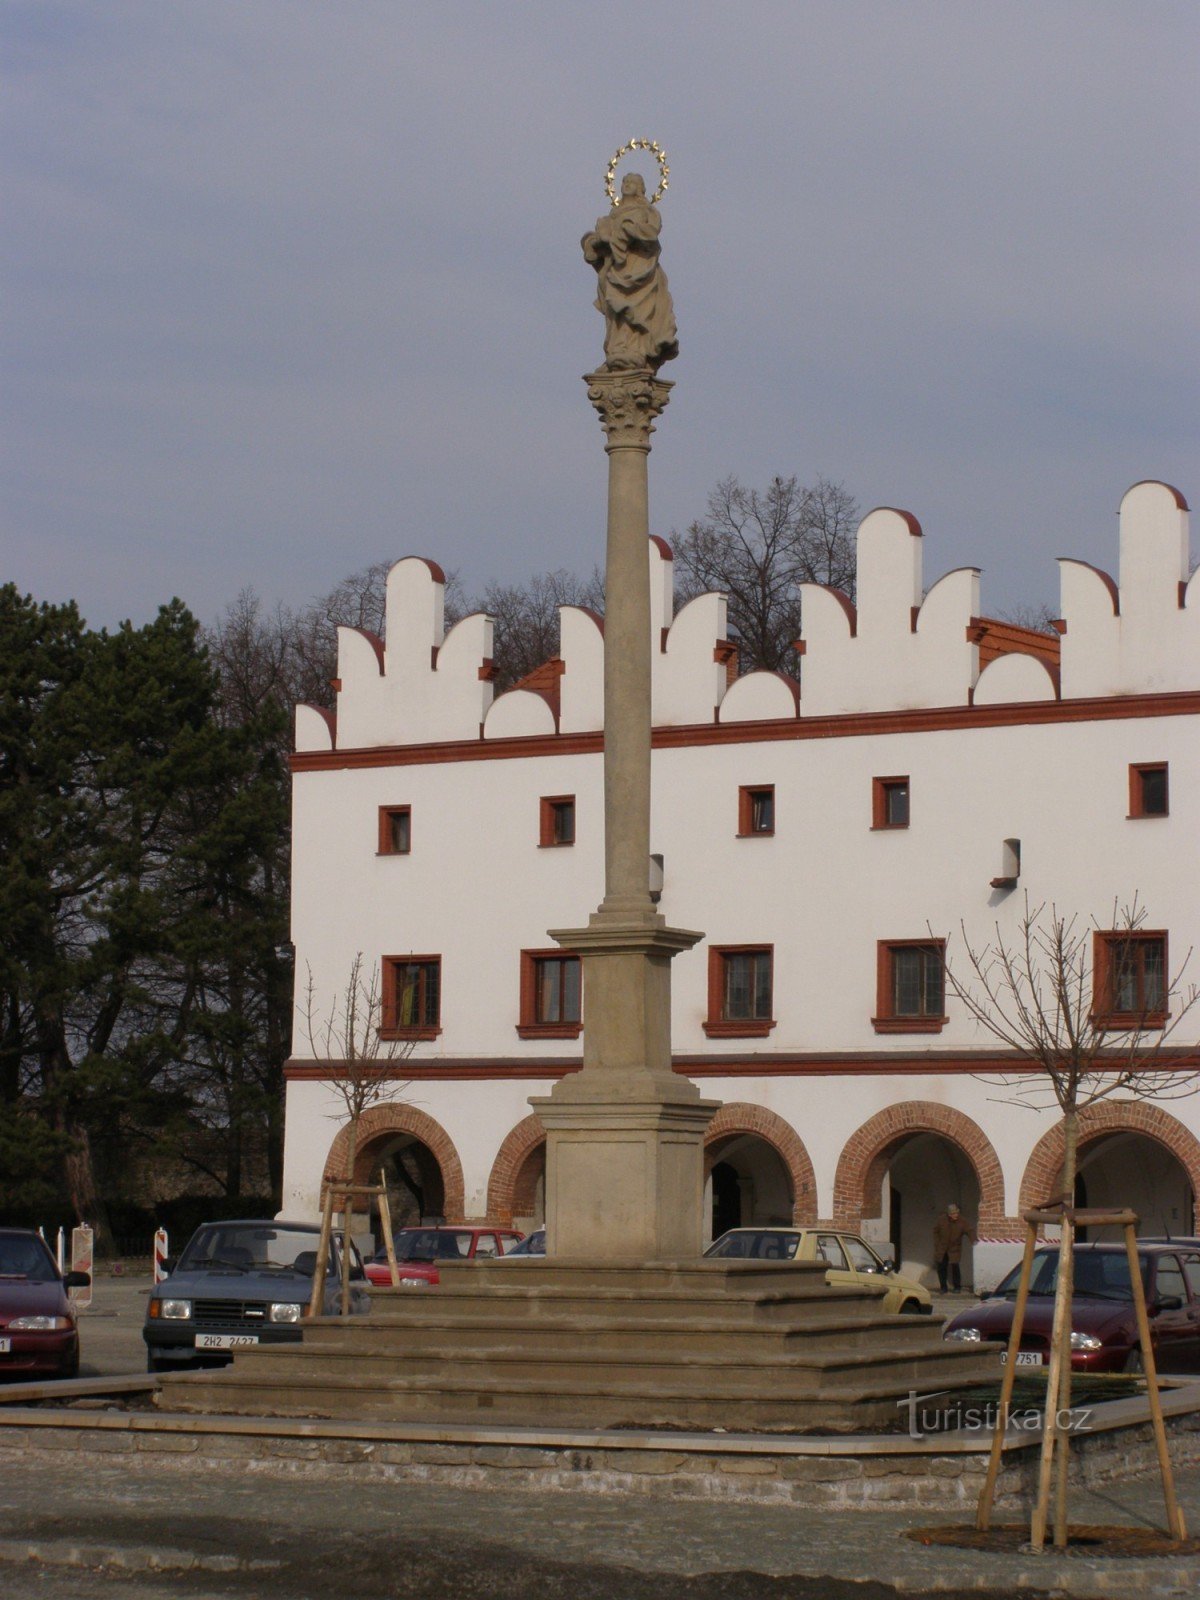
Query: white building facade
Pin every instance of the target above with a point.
(928, 773)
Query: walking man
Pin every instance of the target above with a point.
(949, 1231)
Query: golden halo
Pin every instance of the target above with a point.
(659, 154)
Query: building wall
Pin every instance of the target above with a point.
(891, 688)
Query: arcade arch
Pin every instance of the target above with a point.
(516, 1194)
(901, 1169)
(1131, 1154)
(417, 1156)
(757, 1171)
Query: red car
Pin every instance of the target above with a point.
(1104, 1335)
(38, 1331)
(418, 1251)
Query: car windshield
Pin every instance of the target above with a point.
(1099, 1274)
(26, 1257)
(757, 1244)
(250, 1247)
(534, 1245)
(431, 1244)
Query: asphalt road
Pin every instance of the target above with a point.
(110, 1332)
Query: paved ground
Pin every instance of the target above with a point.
(101, 1528)
(78, 1526)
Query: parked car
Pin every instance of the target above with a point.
(851, 1260)
(238, 1284)
(531, 1247)
(1104, 1335)
(38, 1330)
(418, 1251)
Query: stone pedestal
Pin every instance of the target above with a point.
(625, 1137)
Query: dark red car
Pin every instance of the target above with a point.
(418, 1251)
(38, 1331)
(1104, 1335)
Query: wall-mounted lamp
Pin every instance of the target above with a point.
(656, 878)
(1010, 865)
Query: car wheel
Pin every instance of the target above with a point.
(910, 1308)
(1133, 1361)
(153, 1364)
(71, 1369)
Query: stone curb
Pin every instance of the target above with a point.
(129, 1558)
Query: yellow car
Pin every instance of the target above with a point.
(852, 1261)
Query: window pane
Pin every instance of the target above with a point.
(1154, 791)
(1125, 985)
(400, 828)
(896, 808)
(906, 982)
(564, 822)
(737, 986)
(1154, 975)
(572, 985)
(547, 991)
(432, 984)
(932, 997)
(762, 811)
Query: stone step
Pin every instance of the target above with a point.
(564, 1369)
(589, 1403)
(443, 1330)
(484, 1302)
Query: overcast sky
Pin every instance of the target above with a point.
(295, 285)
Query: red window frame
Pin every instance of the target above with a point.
(389, 817)
(1151, 1001)
(719, 1025)
(881, 793)
(749, 797)
(551, 834)
(1139, 772)
(888, 1017)
(531, 1025)
(428, 1002)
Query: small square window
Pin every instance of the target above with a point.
(551, 995)
(1148, 794)
(910, 986)
(557, 820)
(1129, 980)
(889, 803)
(740, 991)
(395, 830)
(756, 810)
(412, 997)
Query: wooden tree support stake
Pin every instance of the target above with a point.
(1056, 1439)
(339, 1196)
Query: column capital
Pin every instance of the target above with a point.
(628, 401)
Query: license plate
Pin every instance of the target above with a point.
(5, 1346)
(1025, 1358)
(224, 1341)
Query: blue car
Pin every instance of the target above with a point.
(239, 1284)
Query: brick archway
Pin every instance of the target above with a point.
(518, 1145)
(858, 1185)
(385, 1122)
(739, 1116)
(1043, 1169)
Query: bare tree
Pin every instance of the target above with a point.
(1091, 1029)
(349, 1034)
(758, 548)
(526, 618)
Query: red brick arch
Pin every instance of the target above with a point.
(1043, 1170)
(858, 1185)
(739, 1116)
(385, 1122)
(519, 1144)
